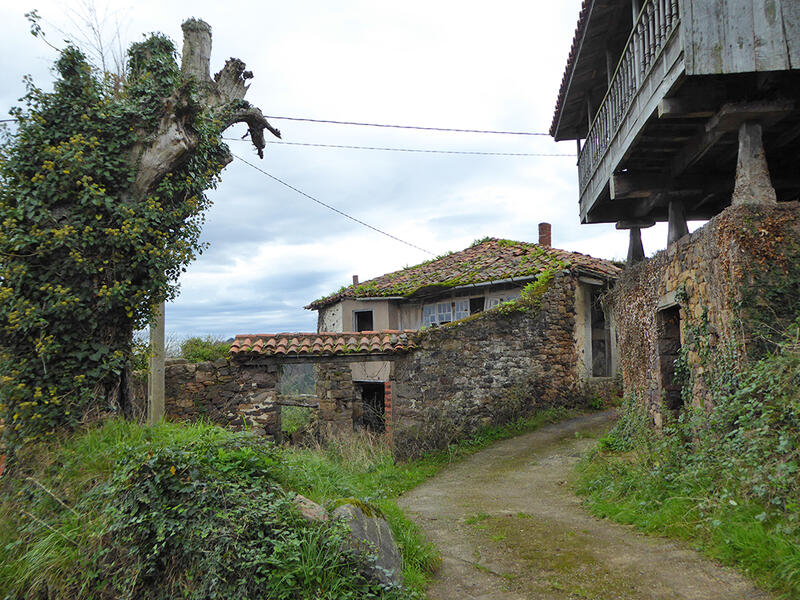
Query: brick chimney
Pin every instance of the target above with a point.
(544, 234)
(355, 279)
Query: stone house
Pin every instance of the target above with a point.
(549, 342)
(484, 276)
(687, 109)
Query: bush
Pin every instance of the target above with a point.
(197, 349)
(178, 511)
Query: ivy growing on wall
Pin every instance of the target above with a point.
(83, 258)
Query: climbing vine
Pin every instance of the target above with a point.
(83, 259)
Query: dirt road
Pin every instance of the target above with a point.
(508, 527)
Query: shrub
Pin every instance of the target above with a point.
(164, 512)
(197, 349)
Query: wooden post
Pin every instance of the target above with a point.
(155, 376)
(753, 183)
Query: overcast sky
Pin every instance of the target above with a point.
(436, 63)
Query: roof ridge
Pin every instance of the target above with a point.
(483, 262)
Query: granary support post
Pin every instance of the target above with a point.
(753, 183)
(677, 221)
(635, 247)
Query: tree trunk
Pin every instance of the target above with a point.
(224, 94)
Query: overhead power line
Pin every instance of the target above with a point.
(328, 206)
(427, 151)
(452, 129)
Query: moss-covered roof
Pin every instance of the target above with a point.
(489, 260)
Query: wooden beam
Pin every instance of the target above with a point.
(635, 224)
(636, 185)
(684, 108)
(728, 119)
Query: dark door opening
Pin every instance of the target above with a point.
(372, 407)
(601, 336)
(476, 305)
(363, 320)
(668, 322)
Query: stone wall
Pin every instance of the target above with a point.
(224, 392)
(485, 370)
(336, 394)
(720, 281)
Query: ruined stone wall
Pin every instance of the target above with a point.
(336, 394)
(487, 369)
(726, 281)
(223, 392)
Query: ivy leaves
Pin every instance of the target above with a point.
(82, 258)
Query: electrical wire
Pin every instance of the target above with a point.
(450, 129)
(423, 150)
(328, 206)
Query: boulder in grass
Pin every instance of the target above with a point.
(371, 537)
(310, 510)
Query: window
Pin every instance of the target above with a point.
(362, 319)
(429, 315)
(504, 297)
(444, 312)
(462, 309)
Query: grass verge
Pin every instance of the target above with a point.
(201, 512)
(724, 479)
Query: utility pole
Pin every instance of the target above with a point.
(155, 375)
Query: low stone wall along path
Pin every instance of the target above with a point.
(509, 528)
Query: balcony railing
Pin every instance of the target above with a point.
(657, 20)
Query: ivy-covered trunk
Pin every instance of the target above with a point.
(102, 194)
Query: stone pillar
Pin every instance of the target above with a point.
(753, 184)
(635, 248)
(677, 222)
(155, 376)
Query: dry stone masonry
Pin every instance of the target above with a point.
(704, 298)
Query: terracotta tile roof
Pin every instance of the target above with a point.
(389, 341)
(485, 262)
(580, 29)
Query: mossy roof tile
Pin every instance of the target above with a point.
(490, 260)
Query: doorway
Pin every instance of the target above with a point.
(668, 322)
(372, 407)
(601, 334)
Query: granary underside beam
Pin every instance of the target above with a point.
(687, 155)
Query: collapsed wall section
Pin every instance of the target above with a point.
(223, 392)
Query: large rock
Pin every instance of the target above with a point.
(371, 537)
(311, 511)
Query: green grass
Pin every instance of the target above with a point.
(96, 514)
(725, 479)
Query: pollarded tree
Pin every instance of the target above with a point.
(101, 204)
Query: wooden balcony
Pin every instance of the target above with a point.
(651, 64)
